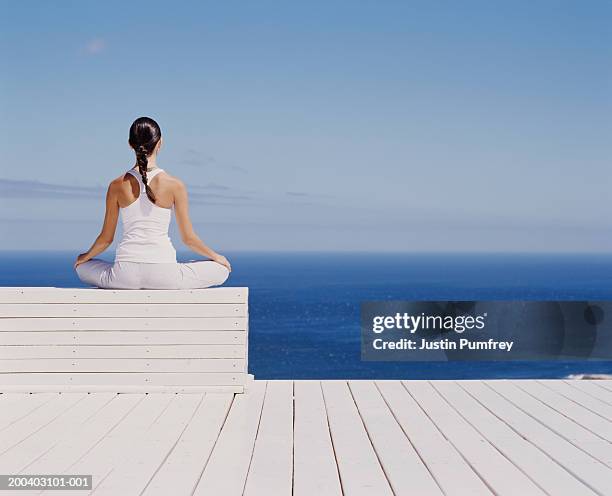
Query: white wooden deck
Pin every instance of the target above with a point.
(312, 438)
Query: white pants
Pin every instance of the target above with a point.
(135, 275)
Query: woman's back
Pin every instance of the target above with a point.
(145, 224)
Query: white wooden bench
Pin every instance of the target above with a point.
(56, 339)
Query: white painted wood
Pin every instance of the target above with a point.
(315, 470)
(112, 323)
(358, 465)
(452, 473)
(401, 463)
(83, 439)
(501, 475)
(271, 470)
(182, 470)
(591, 388)
(9, 354)
(37, 419)
(226, 471)
(538, 466)
(16, 406)
(604, 383)
(583, 466)
(94, 338)
(145, 444)
(568, 408)
(80, 295)
(563, 426)
(119, 443)
(132, 473)
(109, 365)
(119, 379)
(124, 388)
(586, 400)
(14, 459)
(127, 310)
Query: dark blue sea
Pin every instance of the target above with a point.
(304, 307)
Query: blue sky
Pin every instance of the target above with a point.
(403, 126)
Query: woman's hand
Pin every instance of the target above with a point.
(222, 260)
(82, 258)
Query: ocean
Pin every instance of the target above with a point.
(304, 307)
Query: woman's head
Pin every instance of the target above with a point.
(145, 139)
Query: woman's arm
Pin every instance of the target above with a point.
(188, 235)
(106, 236)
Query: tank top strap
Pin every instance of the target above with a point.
(138, 178)
(150, 175)
(153, 173)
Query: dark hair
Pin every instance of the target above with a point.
(144, 136)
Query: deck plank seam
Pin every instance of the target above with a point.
(331, 437)
(197, 482)
(552, 407)
(535, 482)
(573, 384)
(199, 405)
(53, 419)
(564, 467)
(476, 472)
(418, 453)
(248, 471)
(348, 384)
(558, 434)
(543, 383)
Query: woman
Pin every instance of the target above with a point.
(145, 257)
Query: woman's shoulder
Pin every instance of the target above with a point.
(170, 180)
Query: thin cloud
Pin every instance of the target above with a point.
(95, 46)
(194, 158)
(211, 194)
(300, 194)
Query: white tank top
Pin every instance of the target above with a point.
(145, 229)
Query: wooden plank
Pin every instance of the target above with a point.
(557, 422)
(271, 469)
(82, 439)
(604, 383)
(226, 471)
(184, 351)
(183, 468)
(127, 310)
(109, 365)
(15, 458)
(16, 406)
(124, 324)
(122, 388)
(119, 443)
(358, 465)
(586, 400)
(581, 465)
(131, 473)
(315, 470)
(124, 338)
(538, 466)
(404, 469)
(112, 378)
(452, 473)
(590, 388)
(501, 475)
(82, 295)
(570, 409)
(37, 419)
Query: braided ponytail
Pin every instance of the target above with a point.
(144, 136)
(143, 161)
